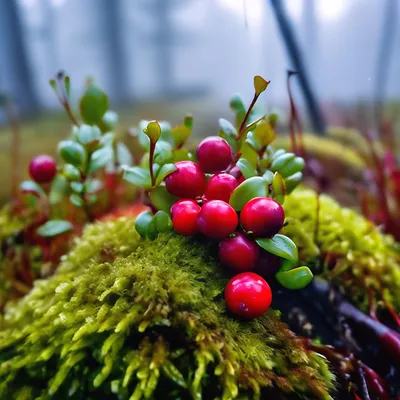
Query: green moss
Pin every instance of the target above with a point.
(127, 318)
(367, 261)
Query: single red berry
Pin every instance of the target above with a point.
(239, 253)
(268, 264)
(184, 217)
(42, 169)
(214, 154)
(248, 295)
(262, 216)
(187, 181)
(217, 219)
(237, 173)
(220, 187)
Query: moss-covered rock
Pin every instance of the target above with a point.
(345, 247)
(129, 319)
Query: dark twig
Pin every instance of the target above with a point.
(296, 58)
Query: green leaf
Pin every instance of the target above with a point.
(279, 162)
(264, 134)
(249, 154)
(268, 176)
(53, 84)
(76, 200)
(293, 181)
(93, 185)
(88, 134)
(124, 155)
(297, 278)
(72, 152)
(260, 84)
(153, 131)
(278, 188)
(77, 187)
(163, 221)
(273, 119)
(142, 222)
(107, 139)
(110, 120)
(71, 173)
(162, 199)
(152, 231)
(166, 132)
(278, 153)
(246, 168)
(31, 187)
(67, 85)
(281, 246)
(188, 121)
(181, 155)
(253, 142)
(54, 227)
(226, 127)
(59, 189)
(163, 152)
(164, 171)
(140, 177)
(180, 134)
(237, 106)
(93, 105)
(247, 190)
(100, 158)
(296, 165)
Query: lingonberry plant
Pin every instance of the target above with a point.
(230, 192)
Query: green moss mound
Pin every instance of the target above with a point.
(126, 318)
(366, 261)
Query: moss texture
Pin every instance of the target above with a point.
(129, 319)
(346, 248)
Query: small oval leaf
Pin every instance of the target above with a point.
(163, 221)
(138, 176)
(93, 104)
(294, 279)
(54, 227)
(264, 134)
(76, 200)
(162, 199)
(87, 134)
(260, 84)
(142, 222)
(247, 190)
(31, 187)
(72, 152)
(180, 134)
(153, 131)
(278, 188)
(164, 171)
(100, 158)
(281, 246)
(246, 168)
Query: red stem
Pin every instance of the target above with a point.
(151, 158)
(246, 117)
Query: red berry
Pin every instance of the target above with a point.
(187, 181)
(262, 216)
(220, 187)
(184, 217)
(217, 219)
(239, 252)
(237, 173)
(42, 169)
(214, 154)
(268, 264)
(248, 295)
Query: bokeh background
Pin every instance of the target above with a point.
(160, 59)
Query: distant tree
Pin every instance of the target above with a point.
(113, 40)
(15, 72)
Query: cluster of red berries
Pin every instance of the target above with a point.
(204, 208)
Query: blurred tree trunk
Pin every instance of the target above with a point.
(15, 73)
(111, 25)
(310, 33)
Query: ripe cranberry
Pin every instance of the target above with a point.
(237, 173)
(184, 217)
(268, 264)
(187, 181)
(262, 216)
(248, 295)
(42, 169)
(214, 154)
(220, 187)
(217, 219)
(238, 253)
